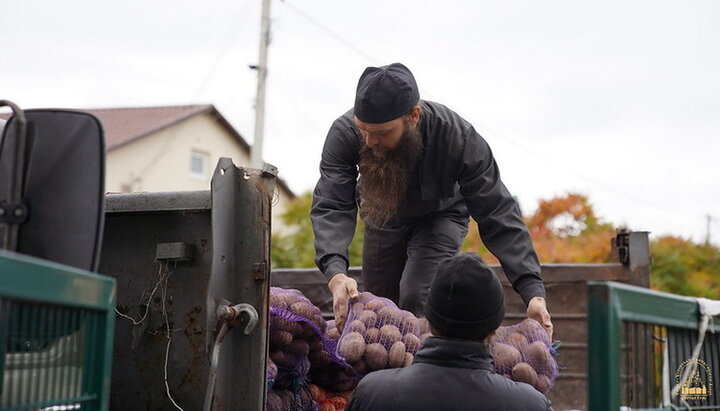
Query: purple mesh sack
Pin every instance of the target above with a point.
(289, 400)
(379, 335)
(300, 347)
(523, 353)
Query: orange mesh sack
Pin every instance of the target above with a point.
(379, 335)
(523, 353)
(329, 400)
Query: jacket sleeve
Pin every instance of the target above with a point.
(499, 222)
(334, 209)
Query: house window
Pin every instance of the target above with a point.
(198, 165)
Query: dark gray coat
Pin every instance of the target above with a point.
(456, 165)
(447, 374)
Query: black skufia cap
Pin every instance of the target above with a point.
(385, 93)
(466, 298)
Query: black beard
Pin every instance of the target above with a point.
(384, 177)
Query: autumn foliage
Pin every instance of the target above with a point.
(564, 229)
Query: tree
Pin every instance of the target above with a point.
(563, 230)
(296, 249)
(682, 267)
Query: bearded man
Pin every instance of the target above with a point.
(418, 172)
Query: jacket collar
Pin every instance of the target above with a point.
(456, 353)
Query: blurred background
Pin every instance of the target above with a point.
(606, 111)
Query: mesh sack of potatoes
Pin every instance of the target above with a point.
(379, 335)
(329, 400)
(523, 353)
(290, 400)
(300, 347)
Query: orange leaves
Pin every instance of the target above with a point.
(563, 230)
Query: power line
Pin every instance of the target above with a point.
(333, 34)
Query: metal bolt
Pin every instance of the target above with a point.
(2, 211)
(226, 312)
(19, 212)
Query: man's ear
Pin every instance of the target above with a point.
(415, 115)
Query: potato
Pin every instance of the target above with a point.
(365, 296)
(523, 372)
(409, 358)
(281, 324)
(273, 402)
(333, 334)
(299, 348)
(543, 383)
(356, 326)
(389, 315)
(389, 335)
(315, 342)
(302, 308)
(288, 399)
(502, 333)
(352, 347)
(423, 326)
(504, 356)
(412, 342)
(319, 359)
(396, 355)
(517, 340)
(361, 367)
(409, 323)
(368, 317)
(533, 331)
(372, 335)
(279, 300)
(376, 356)
(280, 338)
(538, 356)
(423, 337)
(375, 304)
(356, 308)
(281, 358)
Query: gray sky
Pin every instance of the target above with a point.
(618, 100)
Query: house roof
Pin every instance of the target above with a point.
(125, 125)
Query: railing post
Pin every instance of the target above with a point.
(603, 348)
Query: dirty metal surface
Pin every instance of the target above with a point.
(180, 258)
(129, 255)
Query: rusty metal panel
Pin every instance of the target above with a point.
(177, 257)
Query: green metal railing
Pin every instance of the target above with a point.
(639, 343)
(56, 335)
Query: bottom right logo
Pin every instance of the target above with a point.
(699, 385)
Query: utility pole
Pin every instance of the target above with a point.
(256, 157)
(707, 230)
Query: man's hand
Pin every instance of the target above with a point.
(538, 312)
(343, 288)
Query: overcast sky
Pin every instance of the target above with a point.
(618, 100)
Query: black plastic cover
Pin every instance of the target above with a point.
(63, 187)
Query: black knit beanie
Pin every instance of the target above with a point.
(385, 93)
(466, 298)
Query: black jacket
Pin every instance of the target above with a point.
(456, 165)
(447, 374)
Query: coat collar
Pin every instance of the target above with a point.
(456, 353)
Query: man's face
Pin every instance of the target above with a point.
(381, 137)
